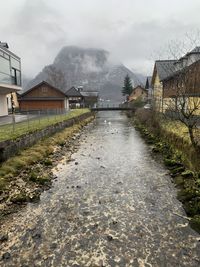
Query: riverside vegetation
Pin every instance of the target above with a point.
(24, 176)
(183, 161)
(7, 132)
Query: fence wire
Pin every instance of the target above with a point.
(14, 124)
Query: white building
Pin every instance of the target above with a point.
(10, 76)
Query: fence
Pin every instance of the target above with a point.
(26, 121)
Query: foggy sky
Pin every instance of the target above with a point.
(134, 32)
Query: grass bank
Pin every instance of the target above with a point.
(25, 176)
(7, 132)
(171, 141)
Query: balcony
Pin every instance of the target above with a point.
(10, 72)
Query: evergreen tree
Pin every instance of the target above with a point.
(127, 88)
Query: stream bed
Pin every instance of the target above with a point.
(111, 205)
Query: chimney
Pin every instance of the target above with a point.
(80, 88)
(4, 44)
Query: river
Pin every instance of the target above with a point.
(112, 205)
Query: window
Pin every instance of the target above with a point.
(4, 66)
(16, 77)
(15, 63)
(44, 89)
(10, 69)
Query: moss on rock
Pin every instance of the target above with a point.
(195, 223)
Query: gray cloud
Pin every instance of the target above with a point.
(131, 30)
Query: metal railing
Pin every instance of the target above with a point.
(30, 120)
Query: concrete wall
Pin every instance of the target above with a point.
(12, 147)
(3, 105)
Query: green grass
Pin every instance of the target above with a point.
(179, 129)
(8, 133)
(37, 153)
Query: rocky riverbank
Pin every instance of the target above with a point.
(187, 181)
(26, 183)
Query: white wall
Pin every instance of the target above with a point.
(3, 105)
(66, 103)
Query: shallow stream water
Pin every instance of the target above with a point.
(114, 205)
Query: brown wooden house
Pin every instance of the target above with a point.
(43, 96)
(138, 93)
(182, 89)
(185, 81)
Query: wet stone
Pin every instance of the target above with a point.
(53, 246)
(36, 235)
(110, 238)
(6, 256)
(3, 238)
(86, 213)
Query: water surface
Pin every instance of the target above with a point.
(112, 206)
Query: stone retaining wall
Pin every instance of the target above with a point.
(12, 147)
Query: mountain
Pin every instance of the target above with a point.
(90, 68)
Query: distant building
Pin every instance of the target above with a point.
(80, 98)
(138, 93)
(10, 78)
(75, 97)
(43, 96)
(90, 98)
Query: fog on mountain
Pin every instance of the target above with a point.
(91, 68)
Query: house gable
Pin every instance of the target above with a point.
(73, 92)
(43, 90)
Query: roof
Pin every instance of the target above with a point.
(89, 94)
(165, 68)
(196, 50)
(73, 92)
(138, 86)
(181, 71)
(39, 84)
(4, 47)
(4, 44)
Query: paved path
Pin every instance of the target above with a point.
(18, 118)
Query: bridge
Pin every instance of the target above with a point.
(111, 107)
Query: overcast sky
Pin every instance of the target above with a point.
(133, 31)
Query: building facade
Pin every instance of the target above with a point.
(10, 77)
(75, 97)
(183, 88)
(43, 96)
(138, 93)
(162, 69)
(173, 79)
